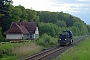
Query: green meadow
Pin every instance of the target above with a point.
(79, 52)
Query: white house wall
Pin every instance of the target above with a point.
(14, 36)
(25, 36)
(36, 31)
(36, 35)
(33, 36)
(22, 36)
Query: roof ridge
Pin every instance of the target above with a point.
(19, 26)
(24, 28)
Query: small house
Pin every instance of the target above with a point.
(23, 30)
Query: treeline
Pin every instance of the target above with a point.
(52, 23)
(64, 21)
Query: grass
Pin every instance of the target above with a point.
(76, 36)
(27, 50)
(80, 52)
(18, 50)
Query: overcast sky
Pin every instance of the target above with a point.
(79, 8)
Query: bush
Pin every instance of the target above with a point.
(47, 41)
(2, 39)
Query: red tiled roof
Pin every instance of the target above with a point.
(22, 28)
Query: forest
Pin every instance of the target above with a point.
(50, 23)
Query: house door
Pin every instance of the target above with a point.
(30, 36)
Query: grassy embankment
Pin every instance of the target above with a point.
(79, 52)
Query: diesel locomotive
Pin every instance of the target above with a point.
(65, 38)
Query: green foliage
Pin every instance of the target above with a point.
(5, 50)
(78, 24)
(75, 30)
(82, 29)
(12, 57)
(0, 31)
(60, 23)
(64, 21)
(1, 36)
(47, 41)
(49, 28)
(88, 27)
(32, 15)
(15, 14)
(52, 17)
(4, 14)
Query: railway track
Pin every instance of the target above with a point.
(36, 56)
(53, 52)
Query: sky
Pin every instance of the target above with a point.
(78, 8)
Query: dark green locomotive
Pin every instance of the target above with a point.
(65, 38)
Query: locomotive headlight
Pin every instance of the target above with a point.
(65, 39)
(60, 39)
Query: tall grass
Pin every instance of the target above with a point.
(80, 52)
(15, 51)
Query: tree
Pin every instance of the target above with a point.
(88, 27)
(22, 11)
(49, 28)
(60, 23)
(0, 32)
(32, 15)
(44, 16)
(53, 17)
(75, 30)
(82, 27)
(5, 14)
(15, 14)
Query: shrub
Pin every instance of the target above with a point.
(47, 41)
(2, 39)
